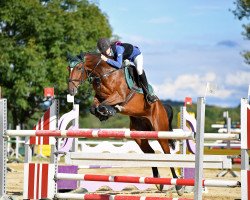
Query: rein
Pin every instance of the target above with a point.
(102, 75)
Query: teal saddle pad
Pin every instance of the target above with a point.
(131, 83)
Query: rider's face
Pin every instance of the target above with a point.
(108, 52)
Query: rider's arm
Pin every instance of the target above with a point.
(118, 60)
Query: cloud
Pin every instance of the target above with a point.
(228, 43)
(193, 85)
(161, 20)
(239, 78)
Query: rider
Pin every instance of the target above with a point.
(120, 52)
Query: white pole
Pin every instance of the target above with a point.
(3, 146)
(17, 142)
(199, 153)
(183, 124)
(244, 150)
(222, 136)
(75, 123)
(248, 94)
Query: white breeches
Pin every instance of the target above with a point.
(139, 64)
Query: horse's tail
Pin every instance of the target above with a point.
(170, 113)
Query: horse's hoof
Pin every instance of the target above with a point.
(180, 189)
(159, 187)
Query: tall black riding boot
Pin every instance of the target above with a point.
(151, 98)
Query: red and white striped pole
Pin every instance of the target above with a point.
(178, 134)
(102, 133)
(145, 180)
(110, 197)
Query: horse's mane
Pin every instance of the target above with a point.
(93, 53)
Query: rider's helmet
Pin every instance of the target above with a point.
(103, 44)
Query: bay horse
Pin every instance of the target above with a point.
(112, 95)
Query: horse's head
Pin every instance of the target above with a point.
(77, 73)
(82, 67)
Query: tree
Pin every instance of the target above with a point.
(34, 39)
(242, 11)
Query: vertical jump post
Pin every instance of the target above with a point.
(199, 151)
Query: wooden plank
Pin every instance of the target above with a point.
(146, 160)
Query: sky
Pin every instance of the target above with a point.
(186, 44)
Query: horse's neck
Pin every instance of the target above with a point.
(101, 68)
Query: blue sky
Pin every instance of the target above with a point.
(185, 45)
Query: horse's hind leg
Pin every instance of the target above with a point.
(165, 146)
(146, 148)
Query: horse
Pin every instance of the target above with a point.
(113, 95)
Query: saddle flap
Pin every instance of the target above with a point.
(132, 80)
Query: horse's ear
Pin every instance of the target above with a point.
(69, 57)
(81, 55)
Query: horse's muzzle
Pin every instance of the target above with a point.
(72, 91)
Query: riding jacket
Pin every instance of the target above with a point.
(122, 52)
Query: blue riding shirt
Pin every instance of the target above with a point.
(118, 56)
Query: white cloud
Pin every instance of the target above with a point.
(161, 20)
(239, 78)
(193, 85)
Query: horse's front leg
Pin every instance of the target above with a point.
(105, 109)
(94, 105)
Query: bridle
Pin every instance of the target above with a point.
(90, 75)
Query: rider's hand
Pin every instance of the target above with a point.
(104, 58)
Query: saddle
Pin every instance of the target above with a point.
(132, 79)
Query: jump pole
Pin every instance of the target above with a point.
(101, 133)
(110, 197)
(199, 153)
(119, 134)
(145, 180)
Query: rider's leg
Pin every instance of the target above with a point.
(138, 61)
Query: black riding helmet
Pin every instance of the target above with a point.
(103, 44)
